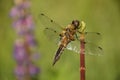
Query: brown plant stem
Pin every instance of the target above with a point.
(82, 57)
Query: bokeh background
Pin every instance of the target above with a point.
(100, 16)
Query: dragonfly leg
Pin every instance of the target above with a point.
(76, 36)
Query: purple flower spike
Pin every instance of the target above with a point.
(31, 40)
(19, 51)
(18, 26)
(26, 4)
(22, 3)
(29, 22)
(33, 70)
(14, 12)
(20, 71)
(23, 25)
(20, 56)
(19, 42)
(25, 48)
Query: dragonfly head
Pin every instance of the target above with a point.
(76, 23)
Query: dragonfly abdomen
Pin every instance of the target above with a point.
(58, 54)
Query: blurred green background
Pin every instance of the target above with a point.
(100, 16)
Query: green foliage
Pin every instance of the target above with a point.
(99, 15)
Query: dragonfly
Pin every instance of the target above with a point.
(69, 37)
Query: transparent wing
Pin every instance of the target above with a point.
(52, 35)
(49, 23)
(52, 29)
(93, 49)
(74, 46)
(93, 37)
(91, 46)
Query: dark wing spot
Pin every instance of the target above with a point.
(98, 33)
(51, 20)
(100, 48)
(42, 14)
(55, 31)
(46, 28)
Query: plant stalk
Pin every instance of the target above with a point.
(82, 57)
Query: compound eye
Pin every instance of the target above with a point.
(75, 23)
